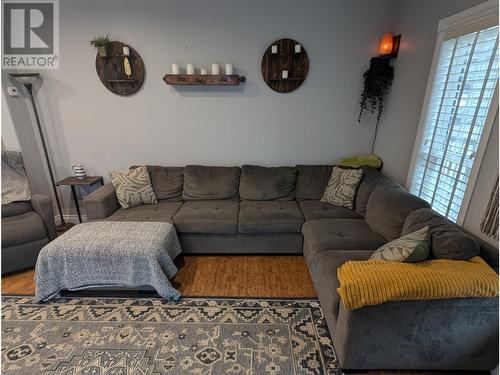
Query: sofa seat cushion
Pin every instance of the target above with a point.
(314, 210)
(340, 234)
(270, 217)
(16, 208)
(211, 217)
(203, 183)
(267, 183)
(323, 269)
(20, 229)
(162, 211)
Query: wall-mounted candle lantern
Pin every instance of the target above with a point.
(389, 45)
(378, 79)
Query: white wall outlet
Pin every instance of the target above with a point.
(13, 91)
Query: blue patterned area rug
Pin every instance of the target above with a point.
(146, 336)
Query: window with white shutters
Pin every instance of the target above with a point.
(464, 84)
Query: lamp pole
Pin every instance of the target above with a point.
(29, 87)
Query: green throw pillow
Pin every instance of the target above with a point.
(412, 248)
(133, 187)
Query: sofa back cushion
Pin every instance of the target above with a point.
(388, 208)
(167, 182)
(210, 183)
(16, 208)
(371, 178)
(312, 181)
(267, 183)
(447, 240)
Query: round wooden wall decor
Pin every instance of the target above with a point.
(285, 65)
(112, 72)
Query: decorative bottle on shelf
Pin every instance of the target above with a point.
(126, 67)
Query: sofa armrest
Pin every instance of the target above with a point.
(101, 203)
(444, 334)
(42, 205)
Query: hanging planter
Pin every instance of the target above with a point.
(376, 85)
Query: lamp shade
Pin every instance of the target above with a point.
(386, 44)
(25, 78)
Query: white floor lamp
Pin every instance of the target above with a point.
(27, 80)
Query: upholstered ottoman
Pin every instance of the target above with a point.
(109, 254)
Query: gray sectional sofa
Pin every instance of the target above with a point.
(233, 210)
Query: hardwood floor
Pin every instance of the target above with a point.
(221, 276)
(228, 276)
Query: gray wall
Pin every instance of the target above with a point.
(9, 136)
(417, 21)
(227, 126)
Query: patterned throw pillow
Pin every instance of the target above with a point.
(133, 187)
(342, 187)
(412, 248)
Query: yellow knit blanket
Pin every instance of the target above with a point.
(371, 282)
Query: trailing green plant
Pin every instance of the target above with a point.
(377, 81)
(100, 41)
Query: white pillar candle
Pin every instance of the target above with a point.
(284, 74)
(297, 48)
(274, 49)
(126, 51)
(190, 69)
(175, 69)
(215, 69)
(229, 69)
(203, 72)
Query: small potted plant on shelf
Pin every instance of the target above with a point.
(101, 44)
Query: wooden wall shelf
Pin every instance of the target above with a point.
(111, 71)
(273, 64)
(203, 80)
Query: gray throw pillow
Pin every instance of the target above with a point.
(341, 189)
(412, 248)
(447, 240)
(133, 187)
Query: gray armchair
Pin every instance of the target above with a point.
(26, 228)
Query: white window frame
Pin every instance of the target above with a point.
(456, 23)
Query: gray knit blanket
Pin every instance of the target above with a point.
(15, 185)
(107, 254)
